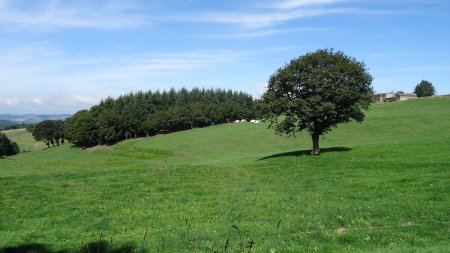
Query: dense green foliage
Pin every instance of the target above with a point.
(7, 147)
(150, 113)
(424, 89)
(49, 131)
(382, 186)
(316, 92)
(81, 129)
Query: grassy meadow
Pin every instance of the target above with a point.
(24, 139)
(379, 186)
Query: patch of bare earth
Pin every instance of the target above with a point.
(340, 230)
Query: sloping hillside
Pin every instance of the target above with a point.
(406, 122)
(24, 139)
(379, 186)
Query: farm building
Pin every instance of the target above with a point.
(383, 97)
(390, 96)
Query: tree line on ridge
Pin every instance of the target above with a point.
(148, 113)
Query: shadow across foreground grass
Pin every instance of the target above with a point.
(305, 152)
(92, 247)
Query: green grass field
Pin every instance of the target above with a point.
(24, 139)
(379, 186)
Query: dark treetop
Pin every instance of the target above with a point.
(424, 89)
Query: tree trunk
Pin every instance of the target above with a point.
(315, 140)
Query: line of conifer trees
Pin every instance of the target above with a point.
(150, 113)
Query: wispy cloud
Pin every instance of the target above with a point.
(290, 4)
(274, 15)
(425, 68)
(18, 101)
(264, 19)
(388, 54)
(265, 32)
(72, 14)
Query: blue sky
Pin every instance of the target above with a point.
(62, 56)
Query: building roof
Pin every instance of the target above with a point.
(408, 95)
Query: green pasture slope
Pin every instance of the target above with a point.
(24, 139)
(379, 186)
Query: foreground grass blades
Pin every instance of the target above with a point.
(380, 186)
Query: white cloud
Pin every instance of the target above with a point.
(50, 103)
(76, 14)
(19, 101)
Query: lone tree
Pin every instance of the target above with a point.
(424, 89)
(316, 92)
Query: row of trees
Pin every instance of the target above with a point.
(150, 113)
(7, 147)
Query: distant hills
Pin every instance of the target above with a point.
(31, 118)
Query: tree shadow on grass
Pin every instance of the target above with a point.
(305, 152)
(92, 247)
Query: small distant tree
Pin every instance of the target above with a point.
(317, 91)
(7, 147)
(424, 89)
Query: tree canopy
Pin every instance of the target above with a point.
(424, 89)
(7, 147)
(49, 131)
(317, 91)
